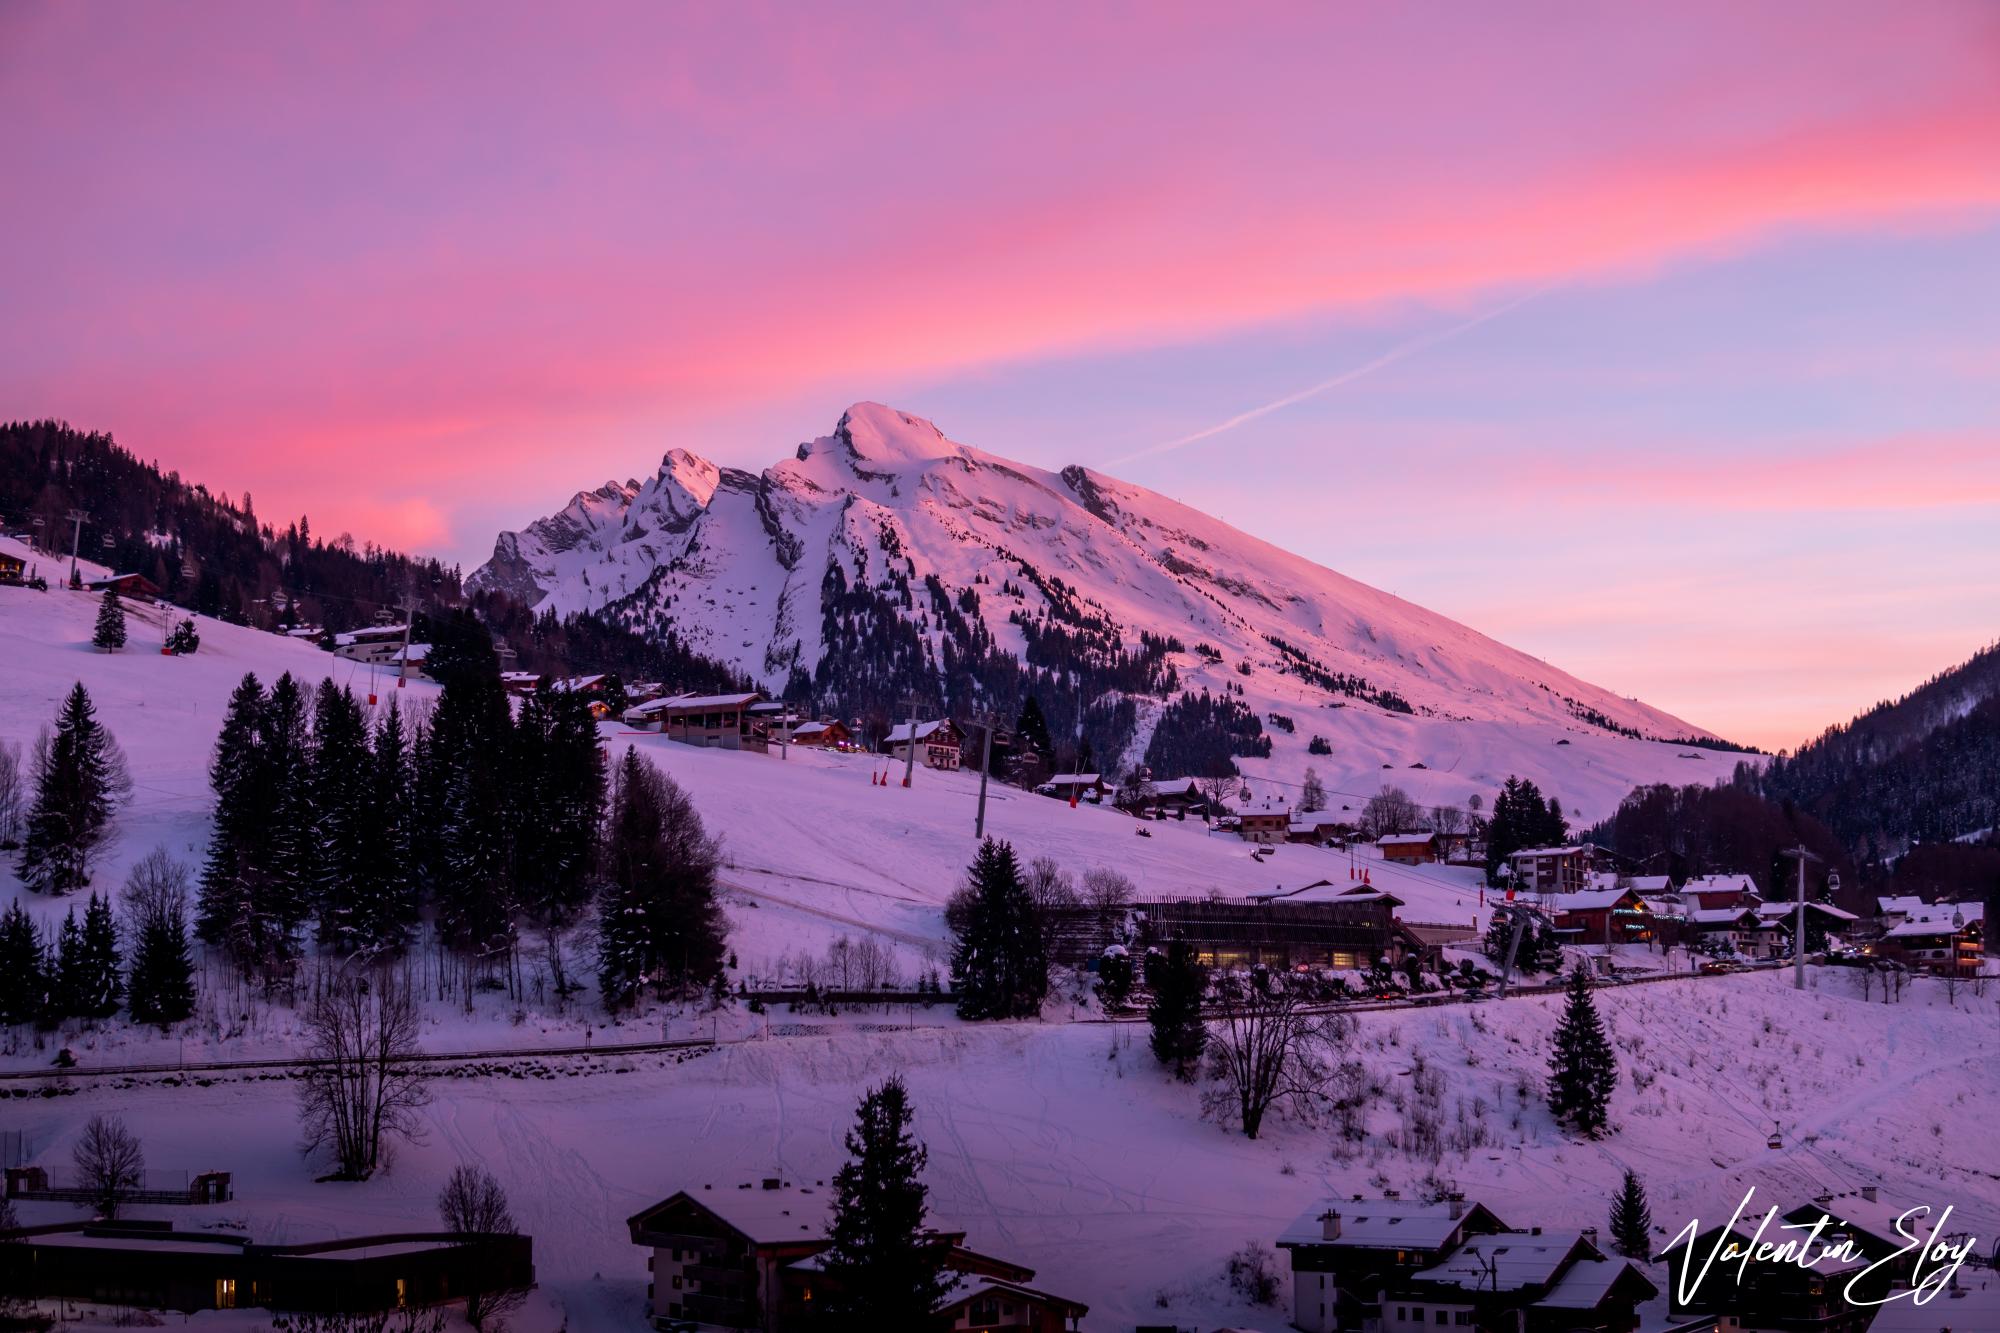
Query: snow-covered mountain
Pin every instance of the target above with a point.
(887, 530)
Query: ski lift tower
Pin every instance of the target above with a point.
(1801, 855)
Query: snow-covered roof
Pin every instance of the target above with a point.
(810, 728)
(1651, 884)
(416, 652)
(1721, 884)
(369, 634)
(1261, 806)
(1936, 920)
(572, 684)
(1783, 909)
(1379, 1224)
(1718, 916)
(519, 677)
(1548, 851)
(770, 1217)
(1307, 820)
(1588, 900)
(1405, 840)
(1326, 890)
(1586, 1283)
(900, 733)
(692, 701)
(1903, 904)
(1508, 1261)
(1172, 787)
(1075, 780)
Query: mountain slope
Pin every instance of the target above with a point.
(885, 558)
(1925, 767)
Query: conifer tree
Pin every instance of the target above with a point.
(1178, 981)
(101, 980)
(1312, 792)
(343, 823)
(80, 780)
(467, 761)
(161, 986)
(185, 640)
(109, 635)
(289, 884)
(389, 910)
(1632, 1221)
(23, 982)
(1031, 734)
(1583, 1071)
(659, 925)
(883, 1264)
(232, 874)
(1000, 966)
(68, 970)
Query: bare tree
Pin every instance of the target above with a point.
(110, 1164)
(361, 1083)
(1105, 893)
(13, 795)
(473, 1204)
(1215, 794)
(1269, 1050)
(1388, 811)
(1312, 792)
(157, 888)
(1449, 820)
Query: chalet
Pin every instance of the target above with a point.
(938, 743)
(13, 569)
(1409, 849)
(1546, 870)
(1720, 930)
(372, 643)
(1402, 1266)
(1319, 828)
(594, 683)
(1894, 909)
(134, 586)
(1076, 787)
(410, 660)
(824, 735)
(150, 1264)
(716, 721)
(1603, 916)
(1319, 926)
(1869, 1220)
(992, 1306)
(1721, 891)
(774, 720)
(520, 682)
(1649, 886)
(1177, 797)
(1944, 937)
(746, 1260)
(1765, 1297)
(1264, 821)
(1780, 919)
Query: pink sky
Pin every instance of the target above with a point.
(424, 271)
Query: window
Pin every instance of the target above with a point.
(402, 1293)
(225, 1293)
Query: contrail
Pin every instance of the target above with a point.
(1388, 358)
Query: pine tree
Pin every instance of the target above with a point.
(80, 780)
(290, 882)
(659, 924)
(68, 972)
(1583, 1071)
(1178, 981)
(1031, 736)
(110, 632)
(1000, 966)
(101, 979)
(469, 869)
(184, 640)
(23, 983)
(232, 874)
(343, 823)
(560, 790)
(884, 1267)
(387, 910)
(1632, 1221)
(162, 982)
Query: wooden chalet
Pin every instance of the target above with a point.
(1267, 821)
(1942, 937)
(716, 721)
(1603, 916)
(150, 1264)
(938, 743)
(823, 735)
(1410, 849)
(1403, 1266)
(745, 1259)
(13, 569)
(1315, 828)
(136, 587)
(1346, 928)
(1076, 787)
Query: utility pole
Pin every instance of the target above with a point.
(910, 755)
(76, 517)
(985, 764)
(1801, 855)
(403, 658)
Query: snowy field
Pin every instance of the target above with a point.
(1063, 1146)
